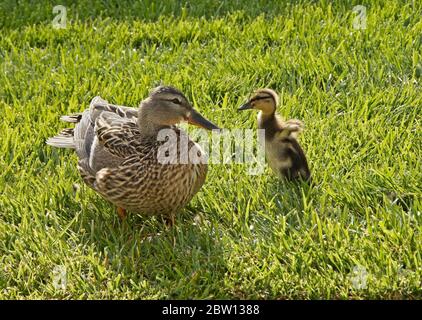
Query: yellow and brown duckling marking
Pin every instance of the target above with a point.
(118, 151)
(283, 152)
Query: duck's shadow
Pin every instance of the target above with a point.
(146, 247)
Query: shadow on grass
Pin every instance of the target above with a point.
(176, 260)
(29, 12)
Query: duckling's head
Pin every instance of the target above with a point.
(167, 106)
(265, 100)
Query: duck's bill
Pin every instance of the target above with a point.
(197, 119)
(245, 106)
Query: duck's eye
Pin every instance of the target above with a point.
(176, 101)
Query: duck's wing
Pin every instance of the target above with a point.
(117, 135)
(121, 184)
(98, 105)
(82, 138)
(84, 132)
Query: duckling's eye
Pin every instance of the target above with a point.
(176, 101)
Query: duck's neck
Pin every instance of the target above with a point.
(270, 122)
(264, 119)
(147, 127)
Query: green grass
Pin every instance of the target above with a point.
(358, 92)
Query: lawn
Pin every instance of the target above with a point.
(356, 233)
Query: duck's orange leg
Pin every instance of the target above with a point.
(122, 213)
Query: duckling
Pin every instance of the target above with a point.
(283, 152)
(119, 149)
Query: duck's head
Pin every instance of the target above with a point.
(167, 106)
(265, 100)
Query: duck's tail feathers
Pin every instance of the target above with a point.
(63, 140)
(73, 118)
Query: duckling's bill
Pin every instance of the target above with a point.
(245, 106)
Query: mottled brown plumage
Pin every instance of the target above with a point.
(283, 152)
(119, 152)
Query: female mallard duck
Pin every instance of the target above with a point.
(120, 152)
(283, 152)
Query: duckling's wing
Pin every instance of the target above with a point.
(290, 128)
(299, 166)
(119, 136)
